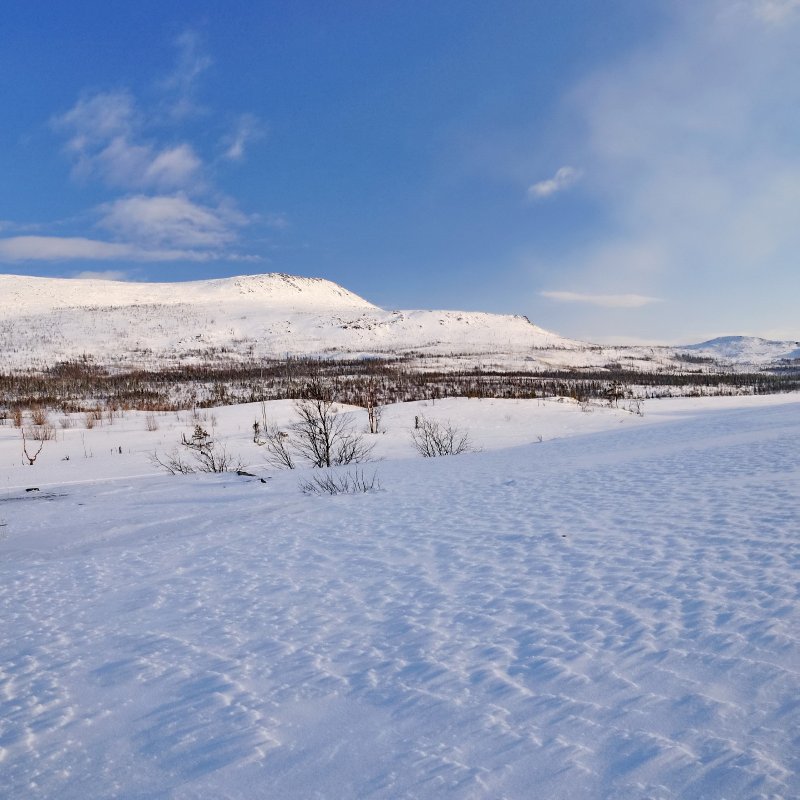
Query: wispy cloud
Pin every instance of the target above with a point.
(602, 300)
(73, 248)
(181, 84)
(172, 220)
(169, 209)
(105, 141)
(248, 129)
(277, 222)
(563, 179)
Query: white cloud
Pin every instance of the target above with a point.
(176, 166)
(181, 84)
(112, 139)
(105, 141)
(191, 62)
(71, 248)
(563, 179)
(98, 118)
(174, 220)
(248, 129)
(602, 300)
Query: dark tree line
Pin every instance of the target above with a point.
(81, 385)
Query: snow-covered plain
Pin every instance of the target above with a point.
(611, 612)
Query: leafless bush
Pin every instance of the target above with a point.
(276, 443)
(433, 438)
(39, 416)
(321, 436)
(16, 417)
(150, 422)
(65, 421)
(41, 433)
(635, 406)
(172, 463)
(206, 456)
(89, 420)
(355, 482)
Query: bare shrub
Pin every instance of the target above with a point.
(16, 417)
(41, 433)
(276, 443)
(65, 421)
(39, 416)
(355, 482)
(151, 422)
(432, 439)
(321, 436)
(89, 420)
(206, 456)
(636, 406)
(172, 463)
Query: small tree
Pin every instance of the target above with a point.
(433, 438)
(31, 456)
(373, 406)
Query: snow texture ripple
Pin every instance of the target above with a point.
(608, 616)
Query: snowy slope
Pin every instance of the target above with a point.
(749, 349)
(45, 320)
(608, 616)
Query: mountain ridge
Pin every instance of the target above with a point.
(125, 324)
(44, 320)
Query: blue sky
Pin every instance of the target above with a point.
(618, 171)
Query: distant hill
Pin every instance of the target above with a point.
(46, 320)
(750, 349)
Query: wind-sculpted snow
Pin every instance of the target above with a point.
(607, 616)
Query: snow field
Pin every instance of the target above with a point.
(609, 615)
(94, 454)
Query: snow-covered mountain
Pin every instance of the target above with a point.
(750, 349)
(46, 320)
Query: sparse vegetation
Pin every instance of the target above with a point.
(206, 456)
(321, 436)
(350, 482)
(369, 383)
(432, 438)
